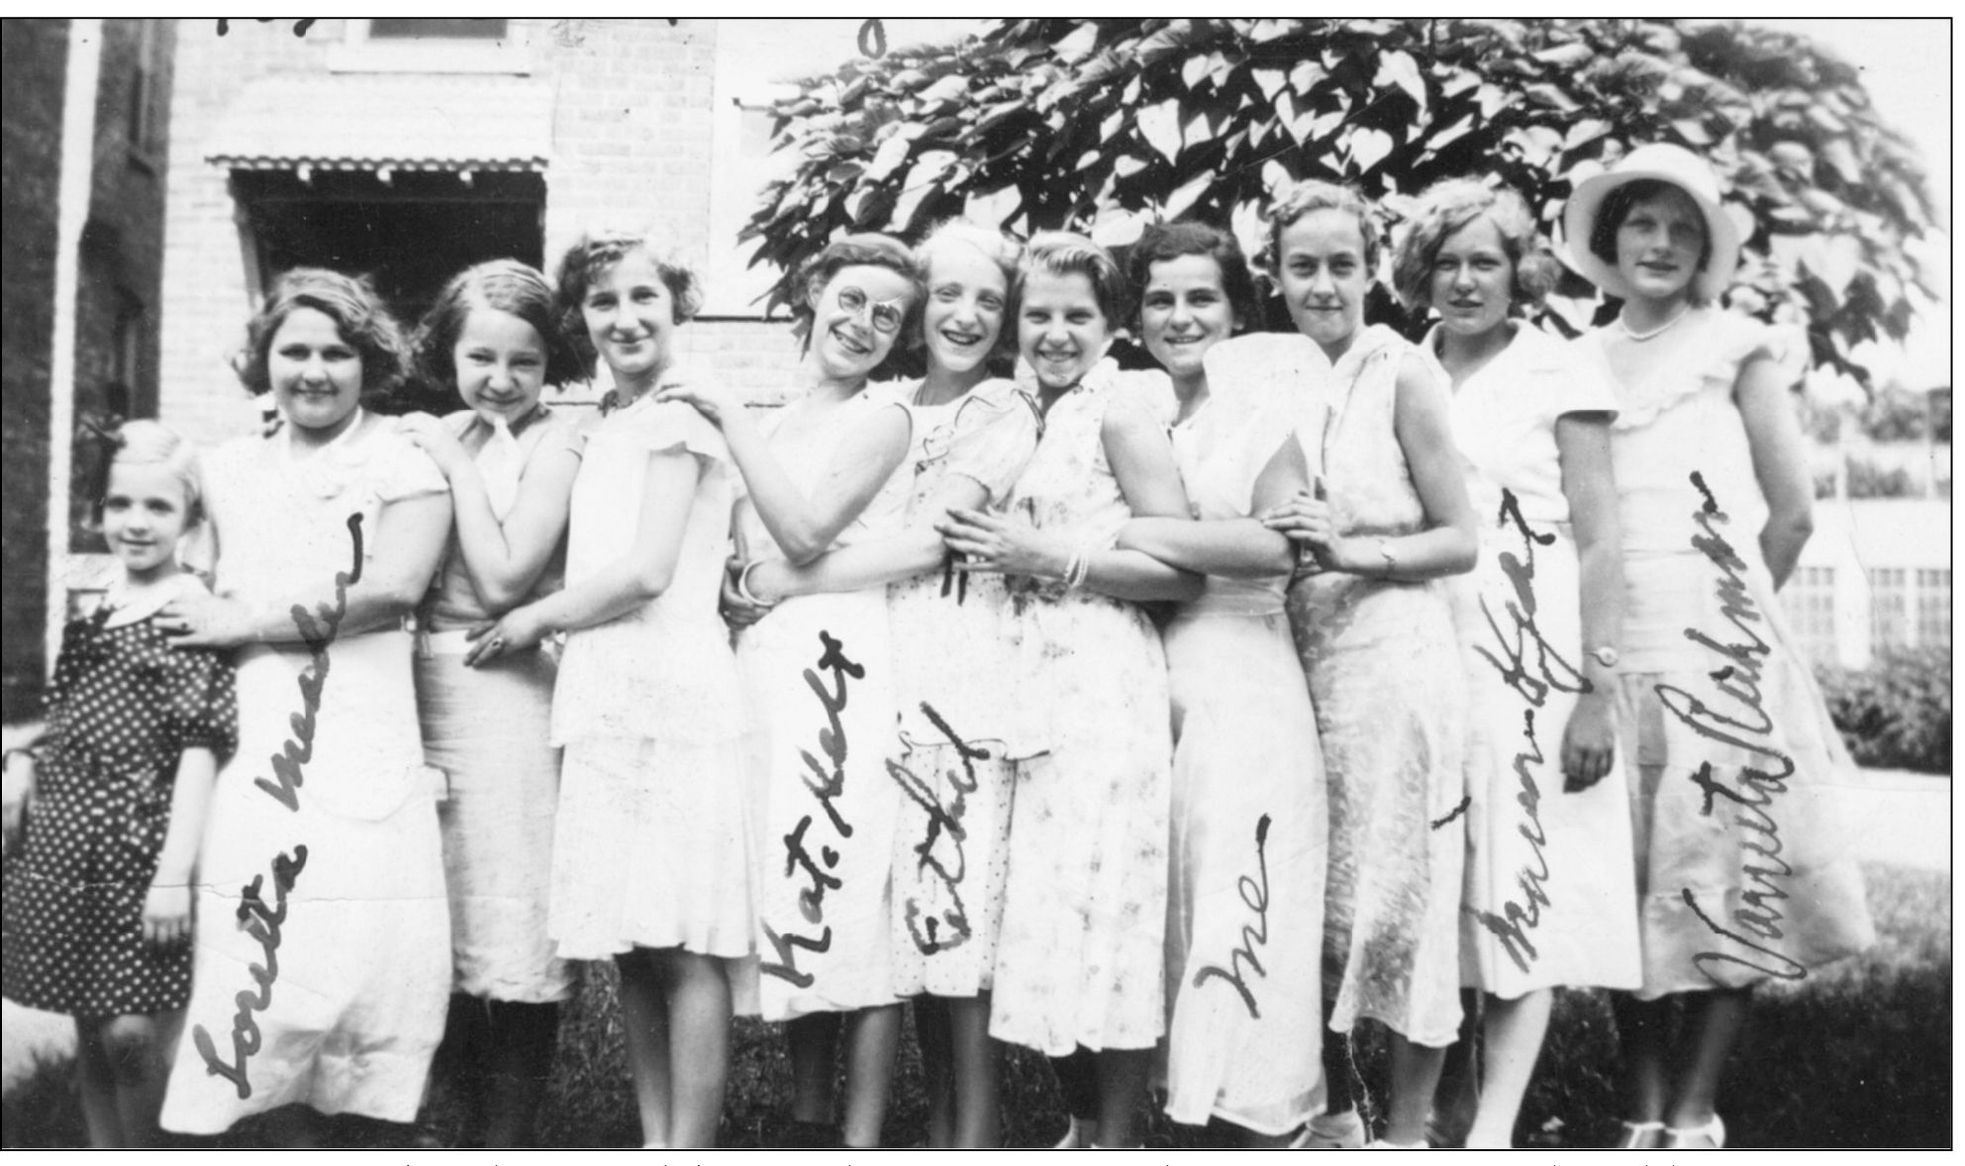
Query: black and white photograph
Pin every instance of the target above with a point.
(830, 583)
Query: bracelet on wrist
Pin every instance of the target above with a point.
(1080, 568)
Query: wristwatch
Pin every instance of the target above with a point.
(1606, 656)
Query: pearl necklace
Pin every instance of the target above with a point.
(1653, 334)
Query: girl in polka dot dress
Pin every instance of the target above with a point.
(98, 905)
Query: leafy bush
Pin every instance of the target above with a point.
(1896, 714)
(1047, 123)
(1894, 413)
(1869, 480)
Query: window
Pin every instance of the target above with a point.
(1809, 600)
(433, 45)
(143, 116)
(126, 360)
(1889, 623)
(1933, 606)
(401, 27)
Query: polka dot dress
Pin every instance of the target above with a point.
(123, 708)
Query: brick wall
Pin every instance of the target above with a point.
(205, 293)
(632, 144)
(758, 356)
(34, 54)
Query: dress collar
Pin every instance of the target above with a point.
(335, 444)
(121, 606)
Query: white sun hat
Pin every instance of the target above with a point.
(1672, 164)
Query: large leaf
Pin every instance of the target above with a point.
(1396, 68)
(1087, 118)
(1160, 126)
(1367, 147)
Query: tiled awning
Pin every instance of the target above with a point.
(386, 123)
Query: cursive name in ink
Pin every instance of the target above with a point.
(1255, 896)
(1517, 638)
(1460, 808)
(931, 930)
(1743, 723)
(263, 924)
(825, 787)
(300, 27)
(318, 630)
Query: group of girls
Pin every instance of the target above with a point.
(1168, 723)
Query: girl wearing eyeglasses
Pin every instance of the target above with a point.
(819, 473)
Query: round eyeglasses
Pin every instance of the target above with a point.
(887, 315)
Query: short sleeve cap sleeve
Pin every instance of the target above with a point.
(1572, 382)
(995, 435)
(404, 471)
(669, 426)
(1742, 338)
(206, 705)
(563, 434)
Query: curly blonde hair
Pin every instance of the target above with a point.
(1446, 208)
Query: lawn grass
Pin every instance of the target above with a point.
(1856, 1055)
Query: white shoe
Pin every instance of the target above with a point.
(1080, 1136)
(1332, 1131)
(1713, 1133)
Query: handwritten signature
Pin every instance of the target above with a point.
(318, 630)
(300, 27)
(1522, 914)
(949, 929)
(1738, 679)
(263, 924)
(825, 786)
(1255, 896)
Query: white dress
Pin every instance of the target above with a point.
(955, 663)
(1079, 962)
(356, 976)
(1385, 677)
(1245, 904)
(489, 729)
(1548, 885)
(819, 671)
(1735, 766)
(653, 844)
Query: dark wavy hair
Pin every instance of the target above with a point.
(1165, 241)
(1069, 253)
(1616, 207)
(357, 311)
(1448, 207)
(600, 249)
(1308, 197)
(501, 285)
(859, 250)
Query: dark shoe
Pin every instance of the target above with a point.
(811, 1135)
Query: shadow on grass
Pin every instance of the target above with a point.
(1857, 1055)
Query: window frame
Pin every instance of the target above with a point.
(359, 52)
